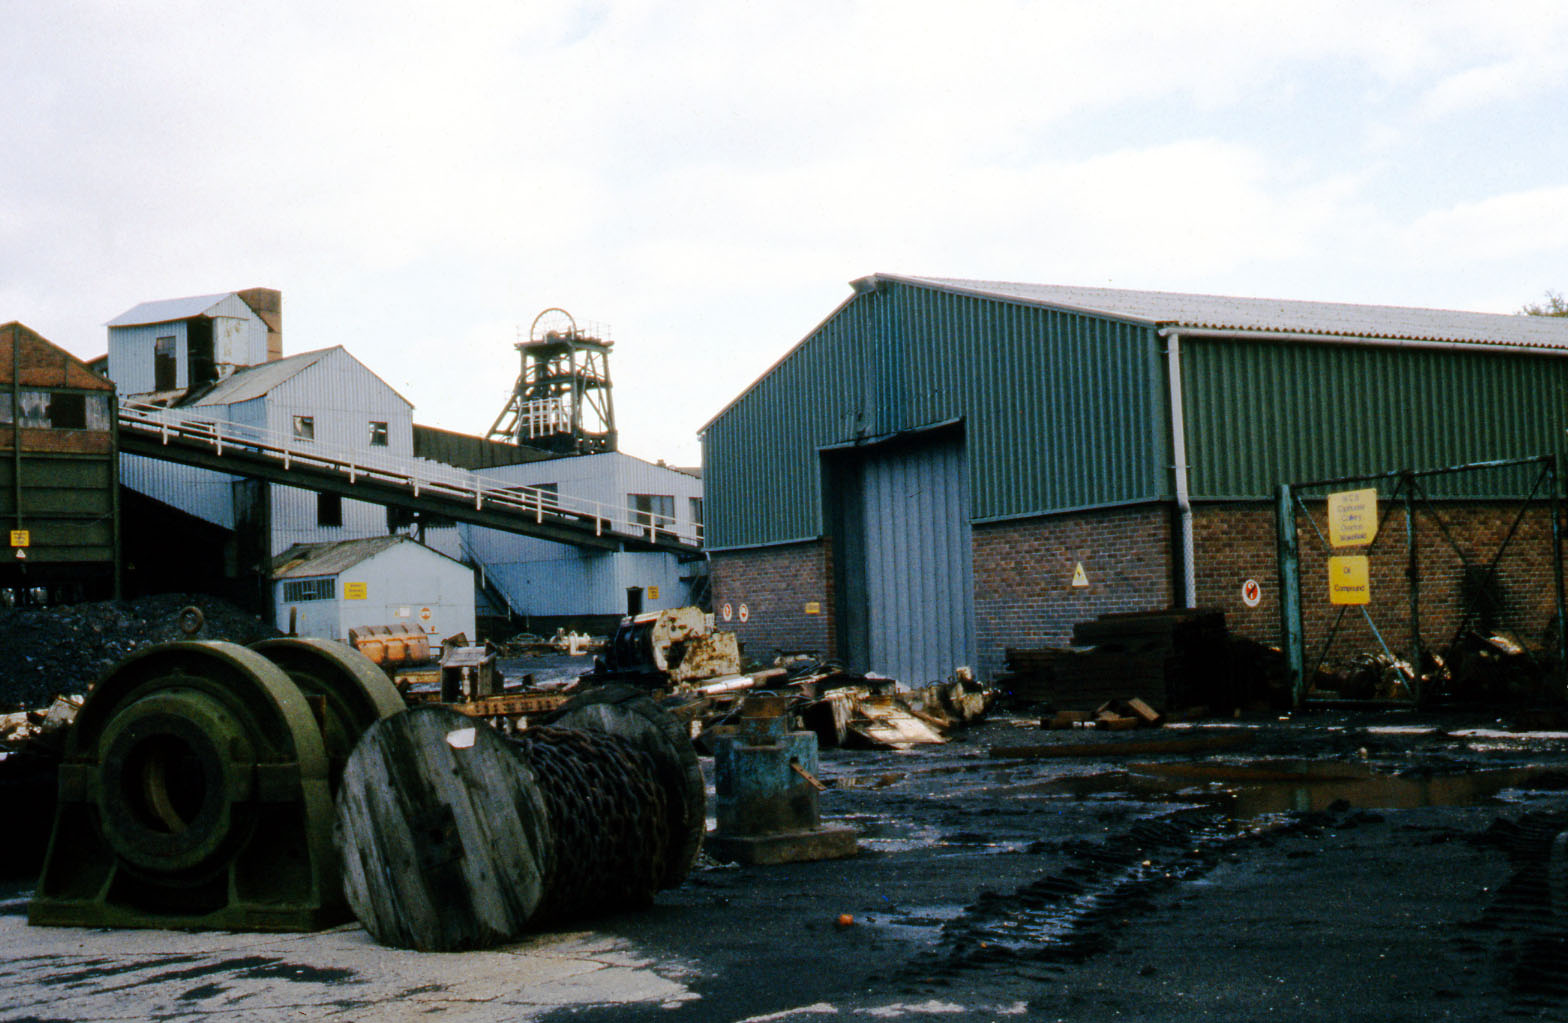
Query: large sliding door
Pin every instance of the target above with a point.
(905, 590)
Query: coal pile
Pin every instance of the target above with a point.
(45, 652)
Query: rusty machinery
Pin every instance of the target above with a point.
(196, 788)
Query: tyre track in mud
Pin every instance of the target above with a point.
(1081, 909)
(1526, 924)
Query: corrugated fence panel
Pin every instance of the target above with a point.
(1056, 408)
(1264, 413)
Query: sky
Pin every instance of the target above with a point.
(699, 181)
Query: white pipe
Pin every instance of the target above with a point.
(1189, 573)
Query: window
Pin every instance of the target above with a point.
(329, 510)
(378, 434)
(654, 514)
(67, 411)
(695, 504)
(165, 375)
(297, 590)
(304, 427)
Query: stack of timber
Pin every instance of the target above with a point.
(1168, 659)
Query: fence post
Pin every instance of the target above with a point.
(1291, 638)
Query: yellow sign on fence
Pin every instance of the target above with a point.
(1352, 517)
(1349, 580)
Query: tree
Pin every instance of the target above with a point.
(1555, 305)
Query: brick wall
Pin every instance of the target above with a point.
(1023, 572)
(1237, 542)
(1024, 595)
(776, 584)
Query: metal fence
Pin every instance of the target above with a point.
(1421, 572)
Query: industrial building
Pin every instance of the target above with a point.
(326, 589)
(59, 495)
(219, 358)
(942, 469)
(558, 585)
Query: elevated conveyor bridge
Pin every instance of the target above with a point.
(176, 435)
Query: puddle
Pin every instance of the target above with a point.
(1258, 788)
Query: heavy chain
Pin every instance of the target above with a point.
(608, 818)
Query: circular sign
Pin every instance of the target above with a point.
(745, 613)
(424, 613)
(1251, 593)
(727, 611)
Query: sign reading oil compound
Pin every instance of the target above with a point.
(21, 538)
(653, 593)
(1352, 517)
(1349, 581)
(356, 591)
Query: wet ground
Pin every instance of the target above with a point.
(1377, 868)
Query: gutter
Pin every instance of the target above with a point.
(1189, 574)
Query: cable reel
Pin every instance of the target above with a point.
(196, 788)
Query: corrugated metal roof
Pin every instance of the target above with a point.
(318, 559)
(255, 381)
(167, 310)
(1267, 315)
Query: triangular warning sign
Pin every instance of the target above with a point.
(1080, 577)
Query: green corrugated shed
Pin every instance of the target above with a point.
(1064, 399)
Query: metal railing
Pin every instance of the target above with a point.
(420, 476)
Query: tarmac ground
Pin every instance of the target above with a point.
(1354, 866)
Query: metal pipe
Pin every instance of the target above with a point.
(1189, 594)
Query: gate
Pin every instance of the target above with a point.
(1426, 559)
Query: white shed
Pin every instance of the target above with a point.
(325, 589)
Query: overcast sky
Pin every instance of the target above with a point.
(704, 179)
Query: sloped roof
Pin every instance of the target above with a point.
(255, 381)
(1267, 315)
(167, 310)
(332, 558)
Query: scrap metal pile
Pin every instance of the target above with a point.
(696, 668)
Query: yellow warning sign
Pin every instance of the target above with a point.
(1352, 517)
(653, 593)
(1080, 577)
(1349, 581)
(356, 591)
(813, 607)
(21, 538)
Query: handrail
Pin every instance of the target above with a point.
(421, 475)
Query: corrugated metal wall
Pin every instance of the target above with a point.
(1261, 413)
(1061, 410)
(914, 563)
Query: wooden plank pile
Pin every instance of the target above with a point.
(1166, 659)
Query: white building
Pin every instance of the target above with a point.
(548, 580)
(327, 398)
(326, 589)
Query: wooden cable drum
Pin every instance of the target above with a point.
(444, 834)
(453, 836)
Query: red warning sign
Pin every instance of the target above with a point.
(1251, 593)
